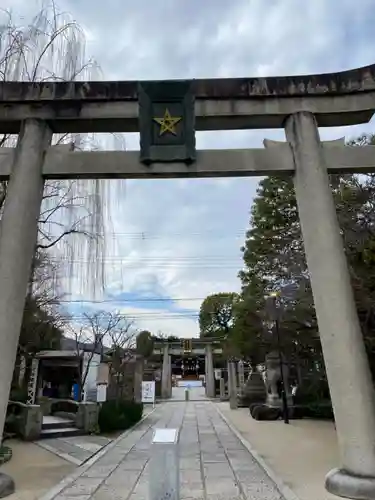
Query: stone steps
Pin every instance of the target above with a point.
(57, 427)
(49, 425)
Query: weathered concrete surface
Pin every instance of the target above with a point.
(276, 160)
(34, 470)
(211, 114)
(336, 99)
(19, 228)
(340, 332)
(214, 464)
(300, 453)
(343, 82)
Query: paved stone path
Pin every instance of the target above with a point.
(214, 464)
(195, 394)
(78, 449)
(75, 449)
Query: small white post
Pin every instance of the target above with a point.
(164, 482)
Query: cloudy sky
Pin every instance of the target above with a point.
(174, 242)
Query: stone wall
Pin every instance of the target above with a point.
(87, 416)
(24, 420)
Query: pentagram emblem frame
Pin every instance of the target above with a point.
(166, 122)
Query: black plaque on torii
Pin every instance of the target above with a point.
(166, 122)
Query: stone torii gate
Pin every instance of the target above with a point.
(207, 347)
(299, 104)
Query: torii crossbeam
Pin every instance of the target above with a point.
(276, 159)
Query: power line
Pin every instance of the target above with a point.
(156, 299)
(162, 258)
(143, 235)
(155, 264)
(141, 315)
(146, 314)
(135, 317)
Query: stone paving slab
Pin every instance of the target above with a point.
(74, 449)
(79, 449)
(214, 464)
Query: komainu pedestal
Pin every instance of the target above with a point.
(7, 486)
(254, 391)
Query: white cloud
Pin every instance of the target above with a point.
(177, 324)
(182, 238)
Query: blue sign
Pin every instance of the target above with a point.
(76, 392)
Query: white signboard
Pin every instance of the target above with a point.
(101, 393)
(217, 373)
(148, 391)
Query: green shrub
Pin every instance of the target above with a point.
(314, 399)
(119, 415)
(18, 394)
(320, 411)
(5, 454)
(10, 425)
(312, 392)
(12, 419)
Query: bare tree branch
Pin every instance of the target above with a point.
(90, 337)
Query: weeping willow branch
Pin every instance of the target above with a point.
(62, 235)
(73, 223)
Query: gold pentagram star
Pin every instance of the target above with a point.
(168, 123)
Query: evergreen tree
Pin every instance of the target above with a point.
(216, 314)
(274, 260)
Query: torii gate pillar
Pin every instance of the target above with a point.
(19, 228)
(344, 352)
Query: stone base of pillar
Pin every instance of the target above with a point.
(223, 396)
(7, 486)
(166, 394)
(233, 403)
(345, 484)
